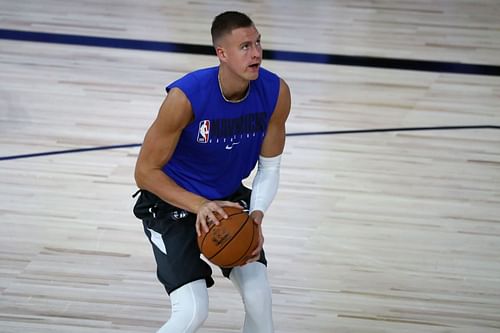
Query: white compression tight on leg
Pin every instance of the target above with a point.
(189, 308)
(251, 281)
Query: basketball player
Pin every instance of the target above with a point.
(215, 125)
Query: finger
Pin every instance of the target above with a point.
(201, 225)
(257, 216)
(255, 255)
(253, 259)
(231, 204)
(219, 210)
(197, 226)
(211, 217)
(206, 224)
(257, 250)
(257, 220)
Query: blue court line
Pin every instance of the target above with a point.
(400, 129)
(319, 58)
(68, 151)
(379, 130)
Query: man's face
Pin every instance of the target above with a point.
(242, 52)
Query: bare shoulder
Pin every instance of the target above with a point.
(175, 111)
(162, 136)
(161, 140)
(284, 89)
(283, 104)
(274, 141)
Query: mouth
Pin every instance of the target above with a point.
(254, 66)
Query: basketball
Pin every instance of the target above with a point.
(230, 243)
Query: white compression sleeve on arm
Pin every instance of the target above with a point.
(265, 183)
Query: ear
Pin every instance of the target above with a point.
(221, 53)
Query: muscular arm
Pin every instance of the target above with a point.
(159, 145)
(266, 182)
(274, 142)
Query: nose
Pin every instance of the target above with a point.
(257, 52)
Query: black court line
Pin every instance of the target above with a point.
(68, 151)
(402, 129)
(319, 58)
(379, 130)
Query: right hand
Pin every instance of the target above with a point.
(205, 215)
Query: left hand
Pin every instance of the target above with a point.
(257, 217)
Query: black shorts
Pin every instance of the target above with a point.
(172, 234)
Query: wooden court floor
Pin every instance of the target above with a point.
(380, 232)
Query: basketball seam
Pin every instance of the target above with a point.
(202, 242)
(243, 256)
(234, 235)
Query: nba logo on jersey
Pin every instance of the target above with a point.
(204, 131)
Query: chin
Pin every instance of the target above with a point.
(253, 76)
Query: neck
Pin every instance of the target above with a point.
(233, 89)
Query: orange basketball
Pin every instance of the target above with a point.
(230, 243)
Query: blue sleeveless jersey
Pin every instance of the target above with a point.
(221, 146)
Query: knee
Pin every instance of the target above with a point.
(186, 319)
(200, 314)
(191, 316)
(257, 300)
(189, 308)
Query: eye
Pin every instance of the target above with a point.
(245, 46)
